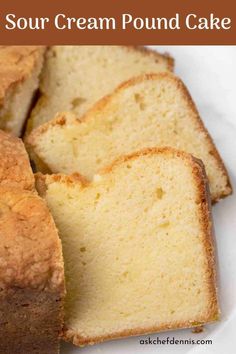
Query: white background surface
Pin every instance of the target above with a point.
(210, 75)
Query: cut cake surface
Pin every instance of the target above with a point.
(75, 77)
(138, 248)
(153, 110)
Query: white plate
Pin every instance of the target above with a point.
(210, 74)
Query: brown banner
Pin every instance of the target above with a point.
(118, 22)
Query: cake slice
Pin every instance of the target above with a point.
(20, 67)
(75, 77)
(31, 266)
(147, 111)
(137, 244)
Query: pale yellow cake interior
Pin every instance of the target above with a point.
(153, 111)
(133, 245)
(75, 77)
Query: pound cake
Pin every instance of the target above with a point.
(20, 67)
(31, 265)
(137, 244)
(75, 77)
(147, 111)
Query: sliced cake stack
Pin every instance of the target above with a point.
(130, 172)
(137, 232)
(147, 111)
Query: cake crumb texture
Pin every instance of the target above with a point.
(152, 110)
(75, 77)
(138, 246)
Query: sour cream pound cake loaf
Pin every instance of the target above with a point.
(137, 244)
(20, 67)
(147, 111)
(75, 77)
(31, 265)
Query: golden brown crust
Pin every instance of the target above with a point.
(62, 119)
(16, 64)
(204, 204)
(32, 285)
(203, 201)
(14, 163)
(70, 336)
(147, 151)
(40, 181)
(25, 222)
(27, 226)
